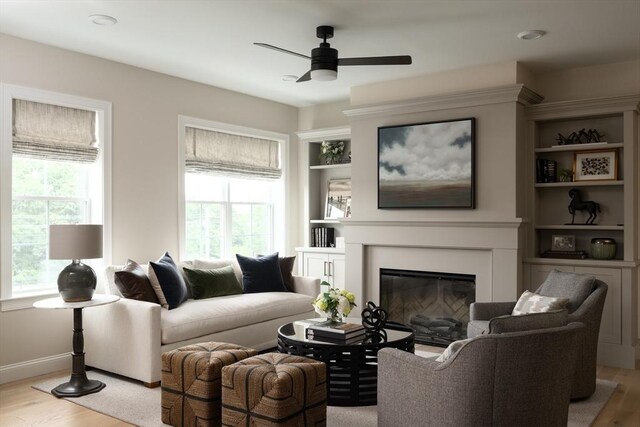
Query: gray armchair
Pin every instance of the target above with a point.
(587, 296)
(510, 379)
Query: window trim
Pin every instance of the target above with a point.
(104, 116)
(281, 207)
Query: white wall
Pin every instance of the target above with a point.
(146, 106)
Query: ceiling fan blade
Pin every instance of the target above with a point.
(279, 49)
(305, 77)
(377, 60)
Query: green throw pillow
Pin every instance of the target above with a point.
(213, 283)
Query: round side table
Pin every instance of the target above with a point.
(79, 384)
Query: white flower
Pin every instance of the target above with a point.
(344, 307)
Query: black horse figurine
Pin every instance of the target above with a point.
(577, 204)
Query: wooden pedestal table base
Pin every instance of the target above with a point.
(79, 384)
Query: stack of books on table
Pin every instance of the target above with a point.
(337, 333)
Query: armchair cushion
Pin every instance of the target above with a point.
(534, 303)
(575, 287)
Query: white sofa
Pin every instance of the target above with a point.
(128, 337)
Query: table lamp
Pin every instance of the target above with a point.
(77, 281)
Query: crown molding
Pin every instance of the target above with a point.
(583, 107)
(326, 133)
(496, 95)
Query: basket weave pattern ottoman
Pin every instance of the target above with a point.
(274, 389)
(191, 382)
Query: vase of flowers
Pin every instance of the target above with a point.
(331, 151)
(335, 304)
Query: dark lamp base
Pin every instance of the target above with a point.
(77, 282)
(79, 385)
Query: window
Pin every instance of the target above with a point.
(225, 216)
(231, 207)
(53, 171)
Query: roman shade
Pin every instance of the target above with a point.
(215, 152)
(53, 132)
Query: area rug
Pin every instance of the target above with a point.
(133, 403)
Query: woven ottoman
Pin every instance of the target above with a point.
(191, 382)
(274, 389)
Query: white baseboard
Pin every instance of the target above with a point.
(31, 368)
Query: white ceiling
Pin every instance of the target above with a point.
(210, 41)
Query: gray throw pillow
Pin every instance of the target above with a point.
(453, 348)
(575, 287)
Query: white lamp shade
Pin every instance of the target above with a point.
(323, 75)
(75, 241)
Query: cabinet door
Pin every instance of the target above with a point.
(315, 265)
(337, 270)
(611, 324)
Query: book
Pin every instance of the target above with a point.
(333, 340)
(565, 254)
(338, 330)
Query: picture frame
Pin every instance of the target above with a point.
(427, 165)
(597, 165)
(338, 201)
(563, 242)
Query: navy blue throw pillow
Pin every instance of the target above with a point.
(261, 274)
(170, 280)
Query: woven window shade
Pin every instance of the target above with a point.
(227, 154)
(52, 132)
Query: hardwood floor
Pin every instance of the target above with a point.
(21, 405)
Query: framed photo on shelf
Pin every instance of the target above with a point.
(338, 204)
(595, 165)
(563, 242)
(427, 165)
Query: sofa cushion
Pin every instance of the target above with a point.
(534, 303)
(286, 268)
(173, 287)
(575, 287)
(261, 274)
(197, 318)
(211, 264)
(133, 283)
(217, 282)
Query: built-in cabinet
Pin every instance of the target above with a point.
(617, 119)
(329, 266)
(327, 263)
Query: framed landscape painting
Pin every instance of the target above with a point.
(427, 165)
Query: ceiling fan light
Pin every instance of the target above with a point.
(324, 75)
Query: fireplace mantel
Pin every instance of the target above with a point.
(491, 249)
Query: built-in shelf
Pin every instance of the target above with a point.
(579, 147)
(324, 221)
(336, 166)
(590, 262)
(320, 250)
(579, 184)
(579, 227)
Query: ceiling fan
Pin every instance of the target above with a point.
(325, 61)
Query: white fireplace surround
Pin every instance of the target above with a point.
(487, 249)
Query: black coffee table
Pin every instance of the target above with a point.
(352, 369)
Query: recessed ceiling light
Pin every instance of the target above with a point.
(103, 19)
(531, 34)
(289, 78)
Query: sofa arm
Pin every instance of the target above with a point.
(124, 338)
(306, 285)
(489, 310)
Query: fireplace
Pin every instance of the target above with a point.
(435, 305)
